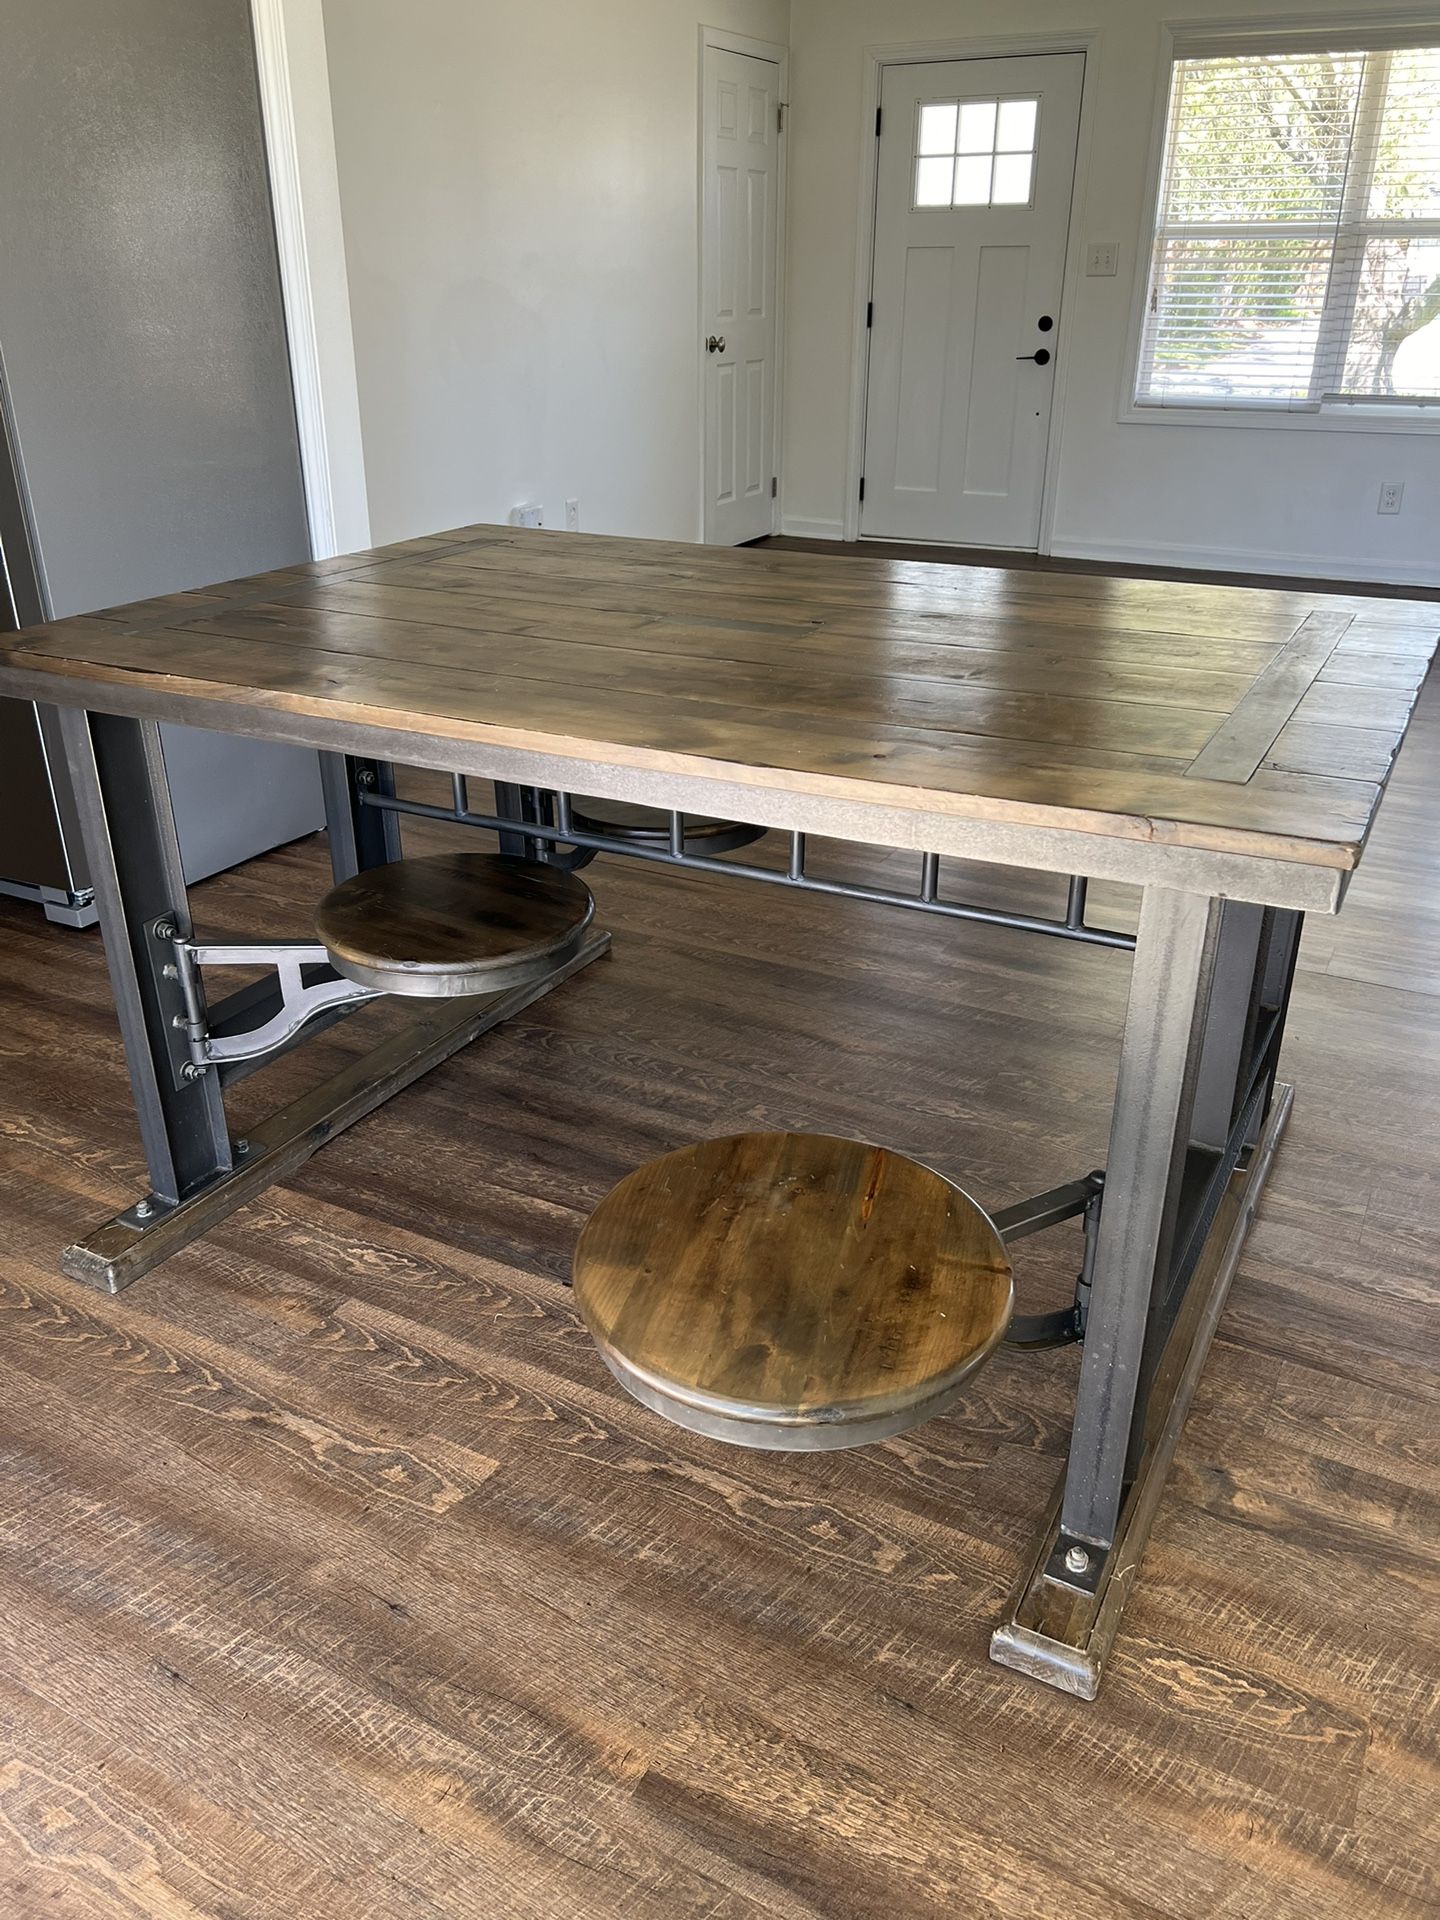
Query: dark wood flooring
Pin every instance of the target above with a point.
(340, 1582)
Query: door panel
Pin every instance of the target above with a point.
(995, 375)
(976, 172)
(741, 196)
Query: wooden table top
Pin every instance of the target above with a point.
(1231, 720)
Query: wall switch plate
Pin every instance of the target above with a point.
(1392, 493)
(527, 515)
(1102, 257)
(572, 516)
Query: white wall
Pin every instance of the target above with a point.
(1286, 498)
(518, 184)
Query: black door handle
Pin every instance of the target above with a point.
(1041, 359)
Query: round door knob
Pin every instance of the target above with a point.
(1041, 359)
(716, 343)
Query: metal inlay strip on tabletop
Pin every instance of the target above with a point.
(1239, 745)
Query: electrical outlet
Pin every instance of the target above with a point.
(572, 516)
(1392, 494)
(527, 515)
(1102, 258)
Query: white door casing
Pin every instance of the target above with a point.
(740, 165)
(975, 176)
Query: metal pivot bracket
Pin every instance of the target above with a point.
(1051, 1209)
(300, 1000)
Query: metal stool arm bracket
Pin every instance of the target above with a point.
(299, 1002)
(1050, 1209)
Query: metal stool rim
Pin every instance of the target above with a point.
(717, 834)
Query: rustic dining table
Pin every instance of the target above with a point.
(1223, 750)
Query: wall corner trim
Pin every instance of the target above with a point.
(305, 195)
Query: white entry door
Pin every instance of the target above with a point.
(972, 212)
(739, 346)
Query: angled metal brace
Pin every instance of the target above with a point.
(299, 1001)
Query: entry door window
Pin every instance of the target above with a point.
(976, 153)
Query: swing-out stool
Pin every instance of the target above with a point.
(792, 1290)
(449, 924)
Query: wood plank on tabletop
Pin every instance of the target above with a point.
(1123, 717)
(551, 612)
(809, 668)
(643, 594)
(1353, 753)
(1338, 704)
(587, 701)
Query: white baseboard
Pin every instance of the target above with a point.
(1319, 566)
(812, 529)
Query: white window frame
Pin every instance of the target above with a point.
(1381, 32)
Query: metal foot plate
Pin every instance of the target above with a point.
(1057, 1632)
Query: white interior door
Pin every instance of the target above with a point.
(739, 348)
(972, 212)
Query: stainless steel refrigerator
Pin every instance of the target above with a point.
(147, 425)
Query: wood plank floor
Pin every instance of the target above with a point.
(341, 1583)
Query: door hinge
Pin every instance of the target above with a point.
(862, 486)
(878, 111)
(774, 486)
(869, 313)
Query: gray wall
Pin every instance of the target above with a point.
(140, 316)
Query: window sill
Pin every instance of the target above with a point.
(1326, 420)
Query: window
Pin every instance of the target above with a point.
(1296, 258)
(975, 153)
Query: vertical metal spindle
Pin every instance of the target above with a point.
(563, 825)
(1075, 903)
(797, 856)
(677, 834)
(459, 794)
(929, 876)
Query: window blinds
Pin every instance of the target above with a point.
(1297, 246)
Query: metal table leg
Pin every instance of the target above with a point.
(360, 836)
(1194, 1130)
(118, 772)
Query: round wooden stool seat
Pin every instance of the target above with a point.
(453, 923)
(791, 1290)
(650, 826)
